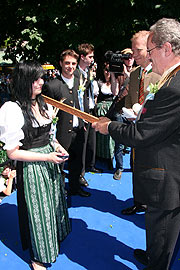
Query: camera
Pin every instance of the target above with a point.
(115, 60)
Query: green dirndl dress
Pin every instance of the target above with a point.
(42, 207)
(104, 143)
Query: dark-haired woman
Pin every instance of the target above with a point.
(104, 143)
(25, 129)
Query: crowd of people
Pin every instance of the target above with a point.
(42, 139)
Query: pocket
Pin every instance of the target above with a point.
(151, 173)
(148, 184)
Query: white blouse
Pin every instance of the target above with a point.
(2, 184)
(12, 121)
(106, 89)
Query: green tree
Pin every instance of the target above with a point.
(41, 30)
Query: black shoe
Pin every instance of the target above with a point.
(125, 151)
(141, 256)
(134, 209)
(94, 170)
(79, 192)
(83, 181)
(117, 175)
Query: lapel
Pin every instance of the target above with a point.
(75, 93)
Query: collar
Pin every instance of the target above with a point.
(148, 68)
(69, 82)
(170, 69)
(84, 72)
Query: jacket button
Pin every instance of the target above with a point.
(70, 91)
(69, 130)
(71, 102)
(70, 121)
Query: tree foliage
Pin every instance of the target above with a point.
(41, 30)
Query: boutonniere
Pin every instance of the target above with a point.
(144, 110)
(92, 76)
(81, 88)
(153, 88)
(82, 83)
(54, 120)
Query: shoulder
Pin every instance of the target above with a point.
(53, 83)
(77, 73)
(135, 70)
(10, 111)
(172, 85)
(10, 106)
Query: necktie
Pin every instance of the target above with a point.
(141, 88)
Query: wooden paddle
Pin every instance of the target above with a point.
(66, 108)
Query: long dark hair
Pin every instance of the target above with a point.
(24, 75)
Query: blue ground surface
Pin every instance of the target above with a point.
(101, 238)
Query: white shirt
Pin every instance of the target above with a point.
(70, 84)
(93, 88)
(12, 121)
(2, 183)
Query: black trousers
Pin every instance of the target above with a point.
(89, 149)
(162, 230)
(75, 158)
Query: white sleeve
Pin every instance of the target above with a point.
(11, 123)
(2, 185)
(95, 88)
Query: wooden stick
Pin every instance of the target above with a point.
(66, 108)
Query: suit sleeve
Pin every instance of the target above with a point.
(159, 120)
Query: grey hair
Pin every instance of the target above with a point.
(167, 30)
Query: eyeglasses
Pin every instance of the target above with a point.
(149, 51)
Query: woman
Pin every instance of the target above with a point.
(24, 129)
(105, 144)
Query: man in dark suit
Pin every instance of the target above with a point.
(70, 129)
(86, 60)
(156, 138)
(139, 48)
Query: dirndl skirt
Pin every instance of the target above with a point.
(104, 143)
(45, 202)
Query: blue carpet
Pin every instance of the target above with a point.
(101, 238)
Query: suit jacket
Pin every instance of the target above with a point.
(134, 82)
(58, 89)
(156, 138)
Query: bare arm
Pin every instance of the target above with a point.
(25, 155)
(114, 84)
(8, 190)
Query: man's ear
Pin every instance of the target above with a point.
(167, 48)
(82, 57)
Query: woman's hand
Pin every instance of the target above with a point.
(29, 156)
(57, 157)
(62, 153)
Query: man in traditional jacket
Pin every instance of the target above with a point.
(156, 138)
(70, 129)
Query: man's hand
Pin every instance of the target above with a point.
(102, 125)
